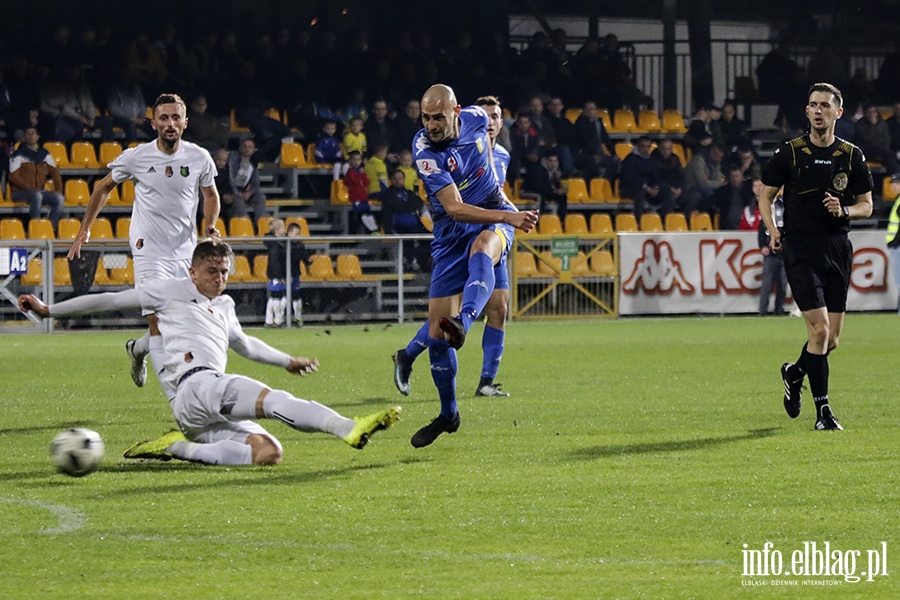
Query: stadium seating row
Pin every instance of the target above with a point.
(601, 264)
(102, 229)
(601, 223)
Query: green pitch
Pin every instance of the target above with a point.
(635, 458)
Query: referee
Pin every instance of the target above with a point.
(826, 183)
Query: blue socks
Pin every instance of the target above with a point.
(443, 372)
(479, 288)
(419, 343)
(492, 346)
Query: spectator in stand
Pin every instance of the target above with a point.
(733, 129)
(244, 176)
(410, 172)
(68, 101)
(746, 158)
(563, 129)
(406, 126)
(542, 121)
(127, 106)
(376, 127)
(729, 200)
(276, 268)
(701, 130)
(355, 139)
(621, 88)
(545, 179)
(376, 169)
(21, 80)
(750, 218)
(641, 180)
(328, 148)
(30, 167)
(361, 219)
(526, 145)
(702, 176)
(206, 130)
(401, 212)
(774, 275)
(592, 140)
(671, 172)
(874, 138)
(893, 123)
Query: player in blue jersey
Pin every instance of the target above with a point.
(495, 310)
(473, 229)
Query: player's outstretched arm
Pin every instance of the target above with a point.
(98, 199)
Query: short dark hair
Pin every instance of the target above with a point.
(487, 101)
(169, 99)
(294, 227)
(211, 248)
(828, 89)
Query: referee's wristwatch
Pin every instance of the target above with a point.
(846, 211)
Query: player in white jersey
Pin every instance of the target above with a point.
(214, 410)
(168, 174)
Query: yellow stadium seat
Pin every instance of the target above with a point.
(58, 151)
(127, 194)
(67, 229)
(61, 274)
(623, 122)
(348, 267)
(576, 223)
(301, 221)
(651, 222)
(426, 222)
(260, 265)
(676, 222)
(311, 156)
(601, 223)
(339, 193)
(320, 268)
(887, 193)
(625, 223)
(123, 275)
(233, 124)
(101, 229)
(648, 121)
(673, 121)
(220, 226)
(601, 190)
(549, 224)
(293, 157)
(109, 151)
(40, 229)
(623, 149)
(576, 190)
(572, 114)
(263, 225)
(548, 266)
(242, 272)
(101, 275)
(678, 150)
(77, 192)
(604, 117)
(123, 224)
(602, 264)
(35, 273)
(83, 156)
(12, 229)
(700, 221)
(241, 227)
(578, 265)
(525, 266)
(274, 114)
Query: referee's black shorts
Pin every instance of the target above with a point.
(818, 269)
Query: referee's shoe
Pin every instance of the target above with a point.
(792, 391)
(826, 420)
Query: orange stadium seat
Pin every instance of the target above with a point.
(601, 223)
(321, 268)
(602, 264)
(77, 192)
(83, 156)
(301, 221)
(525, 266)
(241, 227)
(673, 121)
(676, 222)
(576, 223)
(12, 229)
(625, 223)
(649, 122)
(549, 224)
(40, 229)
(651, 222)
(123, 225)
(601, 191)
(109, 151)
(58, 151)
(700, 221)
(576, 190)
(67, 229)
(101, 229)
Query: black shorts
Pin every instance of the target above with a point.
(818, 269)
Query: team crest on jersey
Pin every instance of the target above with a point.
(169, 172)
(840, 181)
(452, 165)
(427, 166)
(139, 244)
(185, 171)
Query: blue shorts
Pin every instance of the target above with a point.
(450, 255)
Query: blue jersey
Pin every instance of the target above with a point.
(462, 161)
(501, 162)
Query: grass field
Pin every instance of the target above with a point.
(634, 459)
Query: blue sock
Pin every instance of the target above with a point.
(492, 345)
(479, 288)
(443, 372)
(419, 343)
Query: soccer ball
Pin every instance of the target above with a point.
(77, 451)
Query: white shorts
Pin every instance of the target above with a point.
(199, 402)
(146, 267)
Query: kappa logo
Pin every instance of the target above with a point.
(657, 272)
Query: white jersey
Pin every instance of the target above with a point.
(196, 330)
(166, 196)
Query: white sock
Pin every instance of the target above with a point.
(302, 415)
(141, 346)
(96, 303)
(369, 221)
(297, 305)
(225, 452)
(270, 311)
(280, 306)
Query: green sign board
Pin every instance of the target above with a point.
(564, 248)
